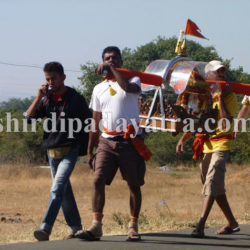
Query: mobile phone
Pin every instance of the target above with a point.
(46, 89)
(105, 72)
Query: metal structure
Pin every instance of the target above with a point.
(184, 76)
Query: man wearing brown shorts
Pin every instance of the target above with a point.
(215, 150)
(114, 99)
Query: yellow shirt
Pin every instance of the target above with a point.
(225, 144)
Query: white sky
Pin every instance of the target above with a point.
(74, 32)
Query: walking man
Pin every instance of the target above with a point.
(215, 154)
(64, 141)
(114, 99)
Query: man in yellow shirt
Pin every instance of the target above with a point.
(216, 152)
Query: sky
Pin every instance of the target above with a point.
(75, 32)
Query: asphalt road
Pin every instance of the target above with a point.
(153, 241)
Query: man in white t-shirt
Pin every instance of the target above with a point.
(243, 114)
(115, 102)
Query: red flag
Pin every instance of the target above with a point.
(193, 29)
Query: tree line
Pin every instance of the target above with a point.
(26, 146)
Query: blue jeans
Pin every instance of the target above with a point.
(62, 194)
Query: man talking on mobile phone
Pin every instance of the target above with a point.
(63, 103)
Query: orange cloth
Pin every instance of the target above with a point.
(197, 147)
(193, 29)
(138, 143)
(112, 132)
(238, 87)
(199, 141)
(146, 78)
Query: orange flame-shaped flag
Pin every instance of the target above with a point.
(193, 30)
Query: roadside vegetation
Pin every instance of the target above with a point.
(172, 200)
(25, 147)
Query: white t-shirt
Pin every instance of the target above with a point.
(114, 107)
(246, 100)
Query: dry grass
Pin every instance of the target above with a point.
(24, 195)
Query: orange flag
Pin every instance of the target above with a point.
(193, 29)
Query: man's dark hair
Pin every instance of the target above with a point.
(111, 49)
(54, 67)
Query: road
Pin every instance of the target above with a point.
(153, 241)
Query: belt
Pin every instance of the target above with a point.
(121, 138)
(116, 138)
(137, 142)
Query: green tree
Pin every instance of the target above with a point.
(162, 146)
(20, 146)
(240, 152)
(26, 146)
(17, 104)
(88, 80)
(139, 58)
(163, 48)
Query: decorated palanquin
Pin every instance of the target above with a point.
(187, 79)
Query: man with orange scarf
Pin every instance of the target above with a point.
(114, 99)
(214, 153)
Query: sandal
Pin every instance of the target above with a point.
(198, 233)
(133, 234)
(228, 230)
(87, 235)
(93, 233)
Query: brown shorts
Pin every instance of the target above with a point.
(213, 168)
(117, 152)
